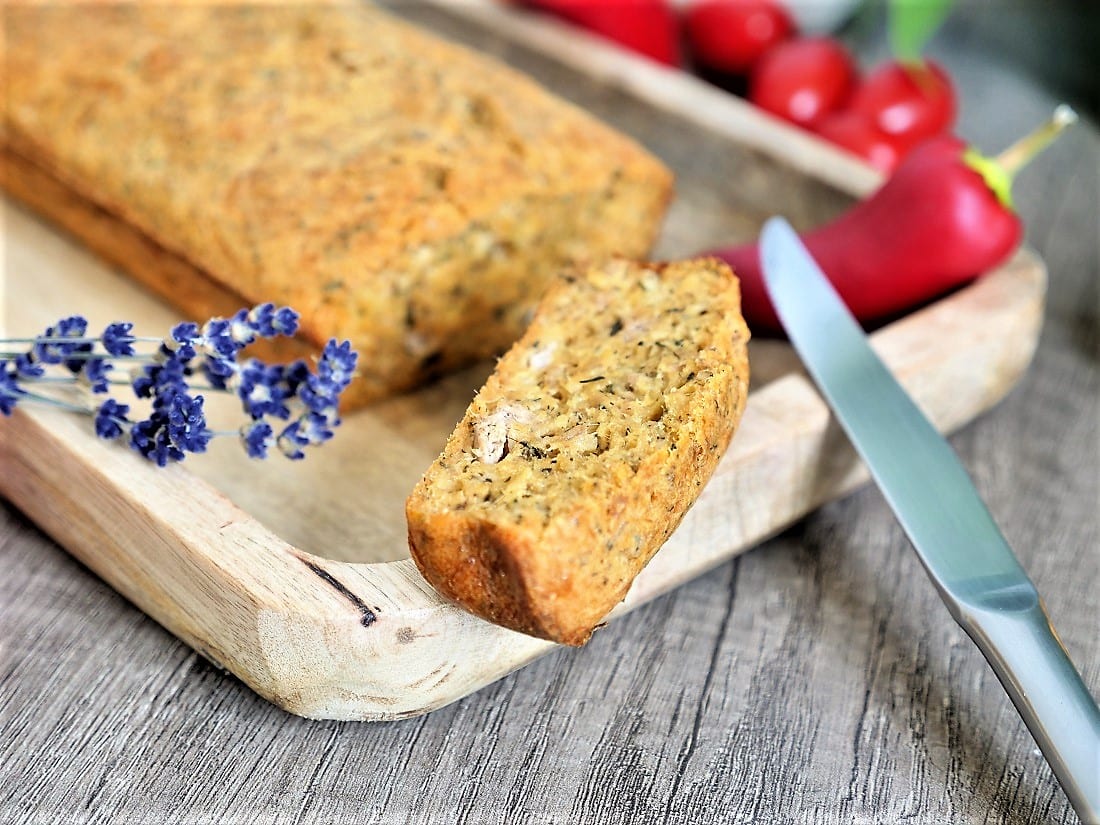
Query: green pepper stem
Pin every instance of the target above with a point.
(1020, 153)
(1000, 172)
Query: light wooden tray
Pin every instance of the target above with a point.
(296, 577)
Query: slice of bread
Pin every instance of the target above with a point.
(586, 446)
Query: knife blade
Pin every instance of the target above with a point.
(964, 553)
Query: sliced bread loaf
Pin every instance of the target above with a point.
(586, 446)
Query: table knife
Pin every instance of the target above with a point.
(969, 561)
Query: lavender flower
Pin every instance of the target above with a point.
(295, 375)
(261, 390)
(50, 350)
(218, 338)
(311, 428)
(110, 419)
(77, 357)
(317, 428)
(161, 381)
(241, 329)
(223, 339)
(337, 364)
(93, 373)
(269, 322)
(182, 341)
(220, 372)
(187, 423)
(117, 340)
(9, 389)
(257, 438)
(191, 358)
(334, 372)
(27, 367)
(150, 438)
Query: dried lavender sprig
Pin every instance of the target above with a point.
(177, 424)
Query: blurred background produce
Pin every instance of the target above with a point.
(792, 57)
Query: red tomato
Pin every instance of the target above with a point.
(731, 35)
(859, 135)
(803, 80)
(649, 27)
(917, 102)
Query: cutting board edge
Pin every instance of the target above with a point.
(340, 640)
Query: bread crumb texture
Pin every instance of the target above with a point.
(397, 189)
(586, 446)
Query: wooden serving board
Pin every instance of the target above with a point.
(296, 576)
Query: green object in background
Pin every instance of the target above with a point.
(912, 23)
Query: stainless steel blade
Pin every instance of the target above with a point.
(967, 558)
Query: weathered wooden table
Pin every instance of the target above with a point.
(815, 679)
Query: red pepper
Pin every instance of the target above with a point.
(649, 27)
(802, 80)
(732, 35)
(907, 102)
(859, 135)
(943, 218)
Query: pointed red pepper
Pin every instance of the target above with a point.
(943, 218)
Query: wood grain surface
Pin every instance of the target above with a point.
(815, 679)
(205, 553)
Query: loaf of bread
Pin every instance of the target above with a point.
(586, 446)
(396, 189)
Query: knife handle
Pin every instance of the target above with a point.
(1036, 671)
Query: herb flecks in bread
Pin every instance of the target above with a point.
(585, 447)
